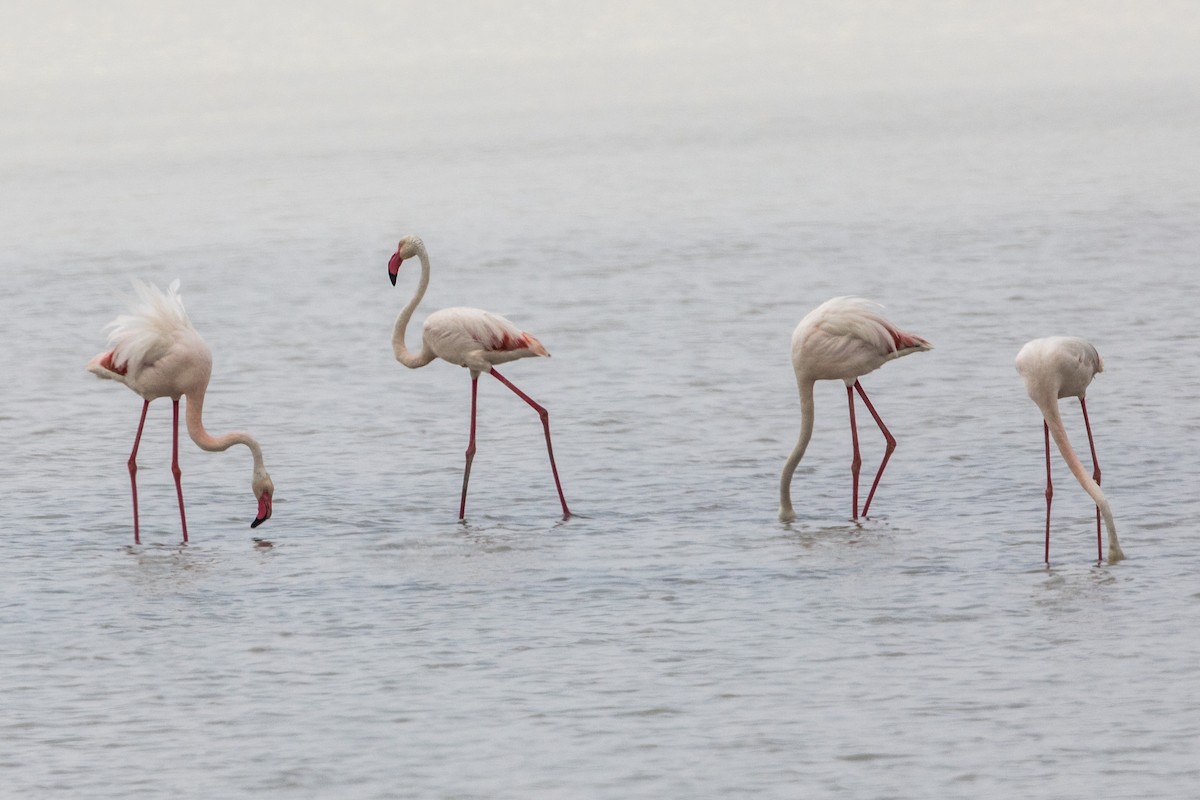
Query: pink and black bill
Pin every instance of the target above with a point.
(394, 266)
(264, 510)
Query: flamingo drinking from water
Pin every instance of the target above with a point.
(842, 339)
(471, 338)
(156, 352)
(1053, 368)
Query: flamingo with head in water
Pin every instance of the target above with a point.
(1053, 368)
(842, 339)
(471, 338)
(155, 351)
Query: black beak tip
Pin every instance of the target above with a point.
(257, 522)
(392, 277)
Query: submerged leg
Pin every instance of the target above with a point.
(856, 462)
(137, 539)
(1049, 488)
(891, 445)
(1095, 474)
(175, 470)
(545, 417)
(462, 505)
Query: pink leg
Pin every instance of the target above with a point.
(1049, 489)
(137, 539)
(545, 417)
(1095, 474)
(891, 445)
(175, 470)
(856, 462)
(462, 506)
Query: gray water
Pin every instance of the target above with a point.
(662, 239)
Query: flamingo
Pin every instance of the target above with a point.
(156, 352)
(843, 339)
(1053, 368)
(471, 338)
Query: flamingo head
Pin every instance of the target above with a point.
(409, 246)
(264, 490)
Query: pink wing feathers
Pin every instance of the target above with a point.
(458, 335)
(499, 335)
(847, 337)
(860, 318)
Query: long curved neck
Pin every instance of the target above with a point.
(1054, 422)
(786, 514)
(206, 441)
(403, 355)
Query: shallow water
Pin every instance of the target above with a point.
(672, 639)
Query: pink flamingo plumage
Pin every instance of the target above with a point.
(1053, 368)
(471, 338)
(156, 352)
(842, 339)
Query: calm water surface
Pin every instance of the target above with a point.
(672, 639)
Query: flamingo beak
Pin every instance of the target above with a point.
(264, 510)
(394, 266)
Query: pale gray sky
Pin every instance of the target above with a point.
(681, 44)
(136, 76)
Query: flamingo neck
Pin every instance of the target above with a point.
(786, 514)
(206, 441)
(403, 355)
(1059, 433)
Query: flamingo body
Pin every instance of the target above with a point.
(474, 338)
(1055, 367)
(846, 338)
(156, 352)
(1058, 366)
(471, 338)
(842, 339)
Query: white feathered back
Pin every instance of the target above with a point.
(848, 337)
(856, 317)
(154, 322)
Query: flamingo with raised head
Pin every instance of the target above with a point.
(1064, 366)
(156, 352)
(842, 339)
(471, 338)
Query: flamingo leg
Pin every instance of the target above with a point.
(1095, 473)
(545, 417)
(891, 445)
(856, 462)
(1049, 489)
(175, 470)
(462, 506)
(137, 440)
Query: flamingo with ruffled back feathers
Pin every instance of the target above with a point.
(156, 352)
(1053, 368)
(471, 338)
(842, 339)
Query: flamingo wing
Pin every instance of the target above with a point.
(861, 319)
(156, 320)
(847, 337)
(455, 334)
